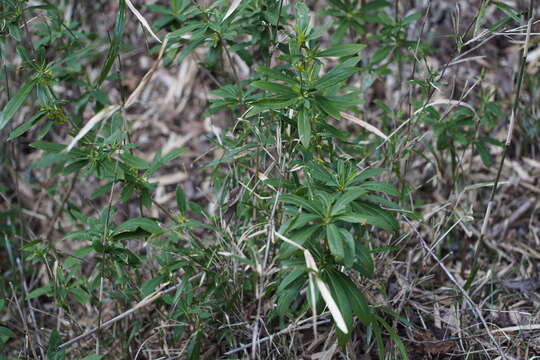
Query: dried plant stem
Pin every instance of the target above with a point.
(31, 310)
(144, 302)
(474, 306)
(479, 245)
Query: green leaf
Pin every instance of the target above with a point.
(276, 74)
(181, 201)
(304, 127)
(92, 357)
(484, 154)
(380, 55)
(346, 198)
(300, 202)
(38, 292)
(342, 50)
(291, 277)
(6, 332)
(299, 237)
(133, 161)
(410, 18)
(349, 245)
(328, 107)
(302, 16)
(194, 346)
(15, 103)
(115, 43)
(369, 173)
(144, 223)
(48, 146)
(377, 221)
(335, 242)
(26, 126)
(274, 87)
(364, 261)
(358, 302)
(380, 187)
(53, 353)
(334, 76)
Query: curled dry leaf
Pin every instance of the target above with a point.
(233, 7)
(364, 124)
(323, 288)
(104, 114)
(142, 19)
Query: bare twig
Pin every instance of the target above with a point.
(31, 309)
(451, 277)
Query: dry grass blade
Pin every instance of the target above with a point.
(146, 78)
(364, 124)
(447, 102)
(323, 288)
(233, 7)
(142, 20)
(104, 114)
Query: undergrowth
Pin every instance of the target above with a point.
(311, 200)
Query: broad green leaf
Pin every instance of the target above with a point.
(369, 173)
(358, 302)
(299, 237)
(328, 107)
(364, 261)
(300, 202)
(334, 76)
(378, 221)
(380, 55)
(345, 199)
(291, 277)
(335, 241)
(276, 74)
(341, 296)
(304, 127)
(375, 5)
(350, 247)
(380, 187)
(275, 88)
(318, 172)
(302, 16)
(6, 332)
(26, 126)
(133, 161)
(342, 50)
(146, 224)
(15, 103)
(302, 220)
(48, 146)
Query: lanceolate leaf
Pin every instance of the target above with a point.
(115, 43)
(334, 76)
(304, 127)
(275, 88)
(299, 201)
(342, 50)
(335, 241)
(15, 103)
